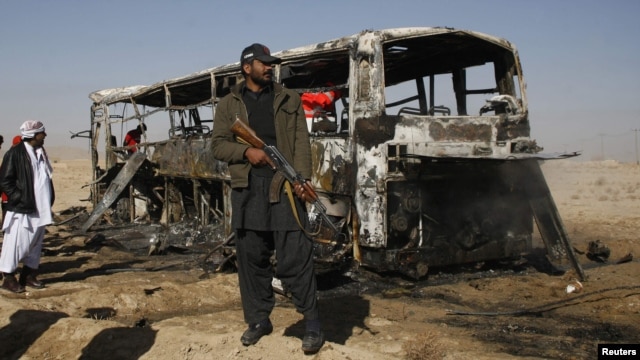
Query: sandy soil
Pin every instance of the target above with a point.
(104, 302)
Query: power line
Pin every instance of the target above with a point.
(613, 147)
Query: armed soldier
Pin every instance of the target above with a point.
(261, 227)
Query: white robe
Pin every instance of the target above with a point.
(23, 233)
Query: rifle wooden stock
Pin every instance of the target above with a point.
(246, 134)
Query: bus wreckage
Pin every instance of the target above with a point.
(426, 160)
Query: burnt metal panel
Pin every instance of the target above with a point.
(332, 164)
(370, 132)
(460, 132)
(189, 158)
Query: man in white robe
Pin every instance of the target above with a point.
(25, 176)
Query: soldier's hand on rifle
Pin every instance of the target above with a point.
(302, 191)
(257, 157)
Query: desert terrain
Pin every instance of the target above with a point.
(103, 301)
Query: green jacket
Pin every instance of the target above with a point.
(292, 136)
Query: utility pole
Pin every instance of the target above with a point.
(601, 145)
(636, 136)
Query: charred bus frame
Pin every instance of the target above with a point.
(429, 161)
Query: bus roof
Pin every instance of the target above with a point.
(198, 85)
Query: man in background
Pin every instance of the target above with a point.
(4, 196)
(16, 140)
(133, 138)
(25, 176)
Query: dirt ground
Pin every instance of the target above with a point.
(104, 302)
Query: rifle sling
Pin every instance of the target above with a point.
(294, 209)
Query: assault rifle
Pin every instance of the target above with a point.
(248, 136)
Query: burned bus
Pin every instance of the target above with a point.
(426, 160)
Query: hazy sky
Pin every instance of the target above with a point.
(580, 58)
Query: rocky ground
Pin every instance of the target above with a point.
(106, 300)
